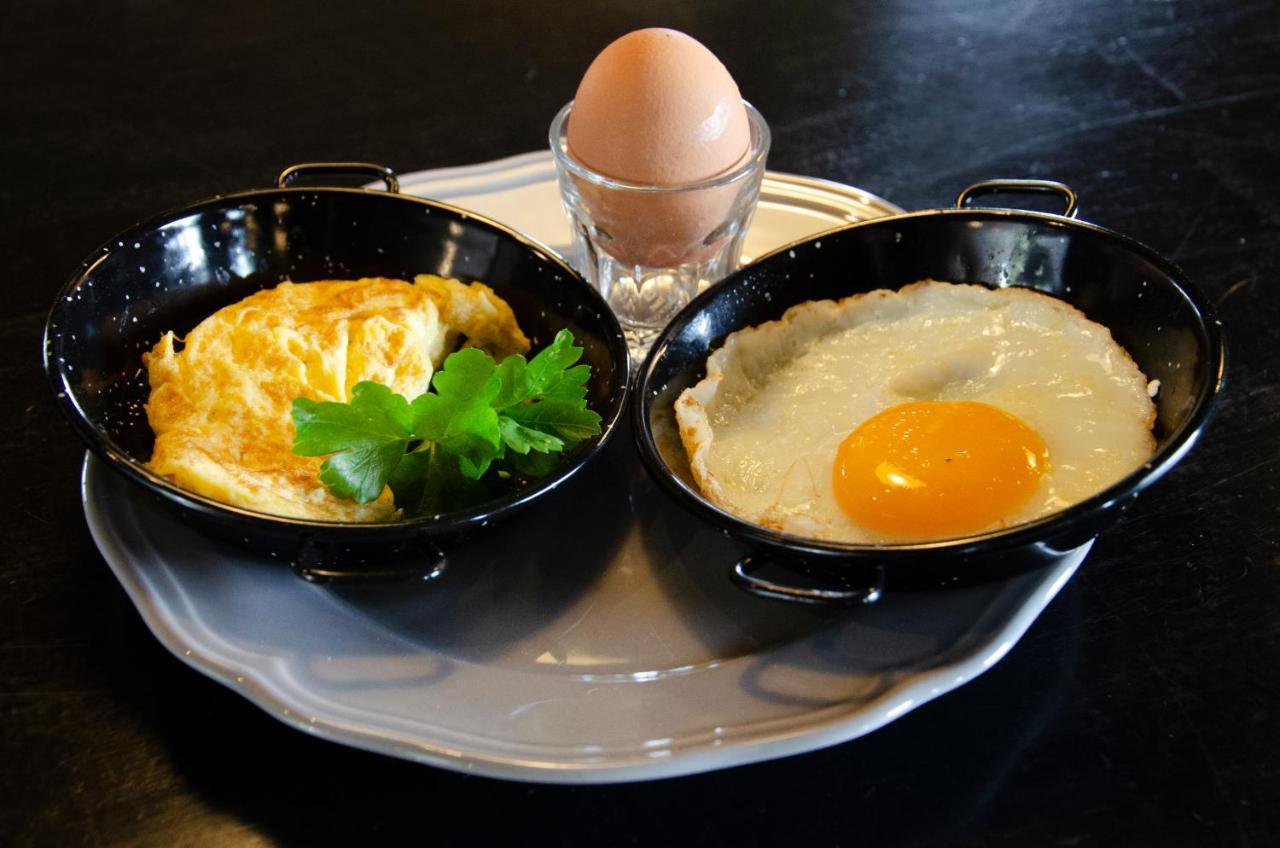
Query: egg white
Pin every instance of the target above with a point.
(762, 428)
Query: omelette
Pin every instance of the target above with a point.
(221, 397)
(931, 412)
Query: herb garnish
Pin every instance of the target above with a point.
(516, 415)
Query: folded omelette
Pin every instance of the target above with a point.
(221, 397)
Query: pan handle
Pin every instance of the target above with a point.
(742, 574)
(1037, 186)
(359, 169)
(416, 561)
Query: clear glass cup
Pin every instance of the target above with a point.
(650, 248)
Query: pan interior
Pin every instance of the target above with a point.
(1112, 280)
(171, 273)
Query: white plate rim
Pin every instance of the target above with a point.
(841, 203)
(766, 740)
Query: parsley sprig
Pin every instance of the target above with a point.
(434, 451)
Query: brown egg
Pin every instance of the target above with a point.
(659, 109)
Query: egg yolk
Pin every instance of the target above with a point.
(937, 468)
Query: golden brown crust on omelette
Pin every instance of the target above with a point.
(221, 398)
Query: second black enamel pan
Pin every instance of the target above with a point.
(1167, 326)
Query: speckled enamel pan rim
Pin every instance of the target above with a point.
(116, 457)
(1021, 535)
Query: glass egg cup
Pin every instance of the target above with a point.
(649, 248)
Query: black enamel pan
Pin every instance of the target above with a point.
(1164, 322)
(169, 272)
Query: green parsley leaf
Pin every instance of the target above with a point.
(549, 365)
(361, 474)
(375, 416)
(429, 482)
(459, 416)
(569, 420)
(533, 464)
(519, 414)
(542, 403)
(367, 438)
(522, 439)
(513, 382)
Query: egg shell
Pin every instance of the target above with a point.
(658, 108)
(661, 230)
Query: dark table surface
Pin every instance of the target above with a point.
(1140, 709)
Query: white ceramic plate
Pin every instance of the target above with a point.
(593, 638)
(521, 192)
(612, 649)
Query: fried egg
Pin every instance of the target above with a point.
(221, 398)
(934, 411)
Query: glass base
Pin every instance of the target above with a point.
(639, 340)
(649, 297)
(646, 298)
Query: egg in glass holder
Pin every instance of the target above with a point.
(650, 248)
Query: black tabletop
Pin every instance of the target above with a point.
(1141, 708)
